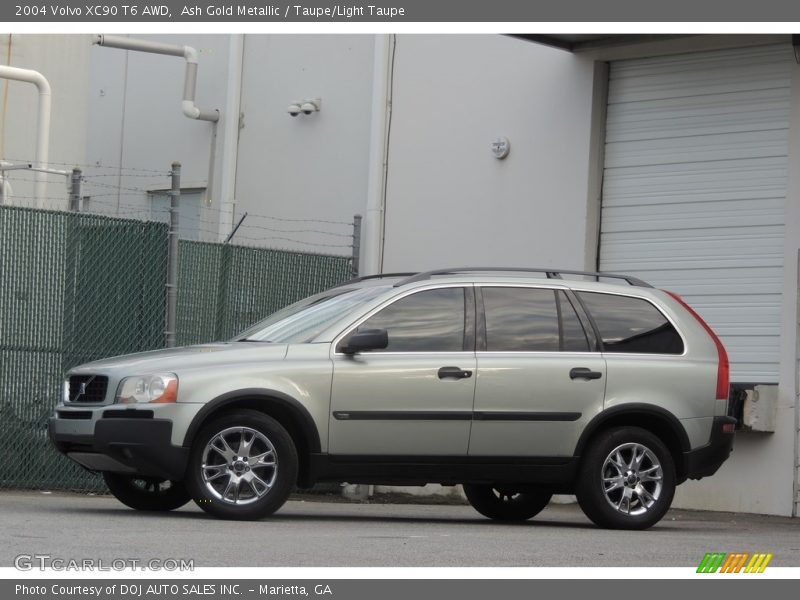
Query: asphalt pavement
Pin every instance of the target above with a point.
(308, 532)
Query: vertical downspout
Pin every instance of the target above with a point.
(5, 191)
(43, 126)
(42, 140)
(372, 252)
(230, 136)
(9, 49)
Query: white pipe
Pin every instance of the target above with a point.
(5, 191)
(188, 53)
(372, 250)
(230, 136)
(42, 127)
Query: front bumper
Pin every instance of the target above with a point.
(136, 444)
(704, 461)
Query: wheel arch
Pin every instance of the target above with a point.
(290, 413)
(654, 419)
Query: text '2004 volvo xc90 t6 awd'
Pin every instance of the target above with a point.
(516, 383)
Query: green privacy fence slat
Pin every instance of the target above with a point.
(77, 287)
(223, 289)
(73, 288)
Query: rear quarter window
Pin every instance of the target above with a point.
(628, 324)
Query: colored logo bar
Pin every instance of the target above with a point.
(735, 562)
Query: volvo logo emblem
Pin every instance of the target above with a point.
(82, 388)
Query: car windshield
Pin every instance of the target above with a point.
(304, 320)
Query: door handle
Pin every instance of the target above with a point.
(454, 373)
(584, 373)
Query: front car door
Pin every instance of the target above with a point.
(414, 397)
(540, 379)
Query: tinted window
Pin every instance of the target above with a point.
(429, 321)
(631, 325)
(520, 319)
(573, 337)
(304, 320)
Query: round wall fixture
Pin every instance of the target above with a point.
(501, 147)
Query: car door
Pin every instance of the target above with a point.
(539, 379)
(415, 396)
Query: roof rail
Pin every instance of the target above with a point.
(551, 274)
(375, 276)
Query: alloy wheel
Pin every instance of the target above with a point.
(632, 478)
(239, 465)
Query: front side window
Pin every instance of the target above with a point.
(630, 324)
(304, 320)
(429, 321)
(527, 320)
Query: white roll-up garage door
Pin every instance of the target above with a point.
(695, 185)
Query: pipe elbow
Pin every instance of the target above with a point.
(190, 54)
(27, 76)
(41, 83)
(189, 109)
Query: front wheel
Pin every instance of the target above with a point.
(507, 503)
(242, 466)
(147, 493)
(626, 480)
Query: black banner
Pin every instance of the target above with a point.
(399, 11)
(391, 589)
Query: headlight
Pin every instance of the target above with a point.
(157, 388)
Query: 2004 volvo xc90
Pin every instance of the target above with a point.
(516, 383)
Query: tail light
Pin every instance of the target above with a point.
(723, 368)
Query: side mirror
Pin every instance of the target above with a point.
(369, 339)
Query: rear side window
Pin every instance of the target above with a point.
(631, 325)
(527, 320)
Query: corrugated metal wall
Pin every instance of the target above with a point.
(695, 186)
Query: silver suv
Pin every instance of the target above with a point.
(515, 383)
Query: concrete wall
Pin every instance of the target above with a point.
(452, 96)
(63, 60)
(449, 201)
(134, 100)
(309, 166)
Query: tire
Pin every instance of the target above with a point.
(242, 466)
(626, 480)
(147, 493)
(506, 502)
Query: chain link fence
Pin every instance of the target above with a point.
(77, 287)
(223, 289)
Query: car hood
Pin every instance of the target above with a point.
(187, 357)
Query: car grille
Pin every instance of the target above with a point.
(87, 389)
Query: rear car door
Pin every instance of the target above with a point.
(414, 397)
(540, 376)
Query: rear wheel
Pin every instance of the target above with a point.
(506, 502)
(147, 493)
(626, 480)
(242, 466)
